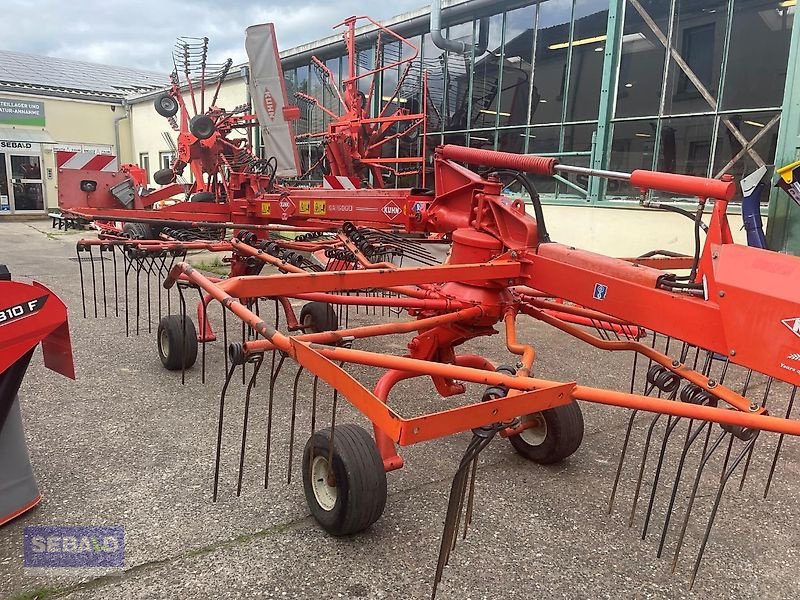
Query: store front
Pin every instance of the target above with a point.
(21, 183)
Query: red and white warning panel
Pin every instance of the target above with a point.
(88, 161)
(340, 182)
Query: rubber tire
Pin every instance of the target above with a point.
(564, 435)
(204, 197)
(202, 127)
(166, 105)
(360, 480)
(322, 315)
(186, 354)
(164, 176)
(137, 231)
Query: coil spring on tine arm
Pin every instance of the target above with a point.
(693, 394)
(663, 378)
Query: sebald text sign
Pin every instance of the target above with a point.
(16, 111)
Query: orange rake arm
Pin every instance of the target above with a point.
(537, 394)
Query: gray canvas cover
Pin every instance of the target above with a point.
(268, 92)
(17, 484)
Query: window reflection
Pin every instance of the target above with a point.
(699, 37)
(550, 69)
(757, 71)
(586, 71)
(632, 148)
(641, 62)
(728, 147)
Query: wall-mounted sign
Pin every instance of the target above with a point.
(92, 148)
(20, 146)
(14, 111)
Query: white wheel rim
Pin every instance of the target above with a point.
(324, 493)
(308, 324)
(163, 342)
(536, 433)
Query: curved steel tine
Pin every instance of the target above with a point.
(292, 426)
(672, 422)
(94, 281)
(624, 450)
(622, 455)
(693, 495)
(127, 266)
(103, 277)
(183, 332)
(273, 377)
(257, 362)
(642, 465)
(225, 336)
(203, 331)
(780, 444)
(764, 400)
(455, 502)
(219, 428)
(116, 283)
(746, 450)
(690, 440)
(78, 248)
(313, 413)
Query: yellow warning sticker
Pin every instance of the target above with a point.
(319, 207)
(266, 208)
(305, 207)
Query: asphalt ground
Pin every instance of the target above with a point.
(128, 444)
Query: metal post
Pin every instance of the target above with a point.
(783, 225)
(608, 91)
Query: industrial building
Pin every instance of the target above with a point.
(49, 105)
(701, 88)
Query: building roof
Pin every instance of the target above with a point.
(50, 76)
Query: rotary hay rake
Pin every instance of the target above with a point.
(715, 352)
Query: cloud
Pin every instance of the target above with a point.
(142, 34)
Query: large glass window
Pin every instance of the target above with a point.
(713, 112)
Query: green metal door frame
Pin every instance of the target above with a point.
(601, 150)
(783, 226)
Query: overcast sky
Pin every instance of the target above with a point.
(141, 33)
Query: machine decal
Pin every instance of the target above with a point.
(793, 324)
(22, 310)
(600, 291)
(391, 210)
(319, 207)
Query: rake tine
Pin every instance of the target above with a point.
(313, 410)
(138, 273)
(219, 428)
(116, 284)
(642, 465)
(183, 333)
(103, 274)
(257, 361)
(291, 428)
(78, 248)
(470, 498)
(671, 424)
(149, 297)
(780, 444)
(244, 366)
(127, 264)
(624, 450)
(693, 496)
(690, 440)
(480, 439)
(225, 335)
(204, 318)
(94, 281)
(273, 377)
(753, 445)
(747, 449)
